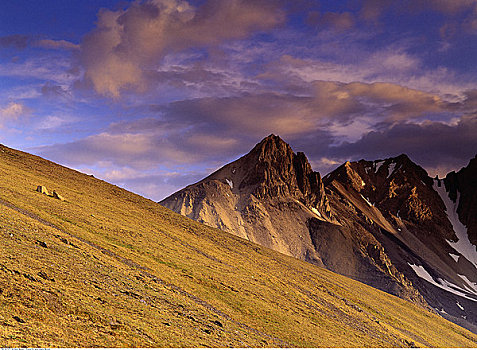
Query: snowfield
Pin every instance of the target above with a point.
(441, 283)
(463, 245)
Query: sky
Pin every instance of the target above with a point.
(155, 95)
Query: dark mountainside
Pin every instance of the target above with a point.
(385, 223)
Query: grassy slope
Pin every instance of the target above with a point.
(109, 268)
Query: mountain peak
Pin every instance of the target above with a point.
(472, 163)
(271, 147)
(276, 169)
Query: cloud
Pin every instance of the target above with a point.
(391, 64)
(216, 129)
(444, 6)
(51, 90)
(55, 68)
(337, 20)
(155, 184)
(20, 41)
(57, 44)
(371, 10)
(127, 42)
(52, 123)
(439, 147)
(12, 111)
(16, 41)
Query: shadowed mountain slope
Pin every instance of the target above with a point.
(105, 267)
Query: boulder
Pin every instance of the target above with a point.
(57, 196)
(42, 189)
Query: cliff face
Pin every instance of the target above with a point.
(462, 187)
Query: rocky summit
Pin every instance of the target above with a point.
(262, 195)
(384, 222)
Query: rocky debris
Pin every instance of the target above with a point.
(41, 244)
(18, 319)
(218, 323)
(43, 190)
(45, 276)
(54, 194)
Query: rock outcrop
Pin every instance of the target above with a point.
(462, 188)
(43, 190)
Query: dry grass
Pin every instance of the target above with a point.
(109, 268)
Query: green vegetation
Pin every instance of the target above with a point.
(108, 268)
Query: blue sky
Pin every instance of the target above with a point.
(154, 95)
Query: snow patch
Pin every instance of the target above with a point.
(231, 184)
(463, 244)
(453, 256)
(472, 287)
(314, 210)
(441, 283)
(460, 306)
(367, 200)
(378, 165)
(391, 168)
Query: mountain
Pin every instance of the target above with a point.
(269, 191)
(421, 232)
(385, 223)
(98, 266)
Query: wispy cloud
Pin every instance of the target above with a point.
(57, 44)
(42, 67)
(12, 112)
(16, 41)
